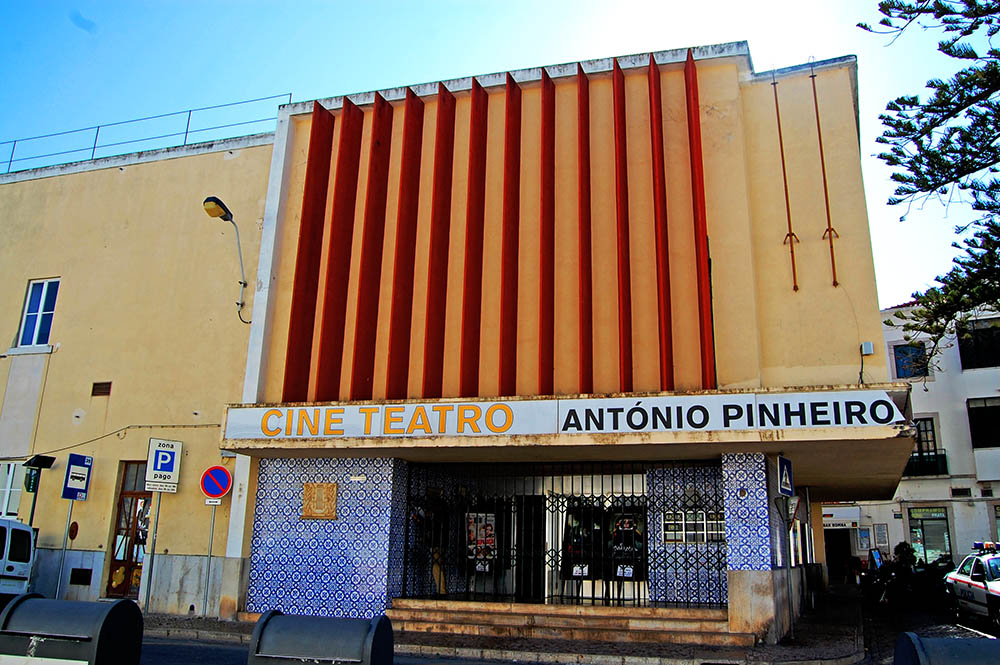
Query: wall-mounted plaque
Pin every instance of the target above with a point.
(319, 501)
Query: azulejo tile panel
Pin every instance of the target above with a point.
(748, 514)
(685, 572)
(344, 567)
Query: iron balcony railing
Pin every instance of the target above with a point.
(165, 130)
(927, 464)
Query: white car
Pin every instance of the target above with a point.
(18, 551)
(975, 584)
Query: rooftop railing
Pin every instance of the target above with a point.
(165, 130)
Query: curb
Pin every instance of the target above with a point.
(202, 635)
(607, 659)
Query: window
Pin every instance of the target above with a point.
(926, 459)
(979, 343)
(984, 421)
(39, 305)
(910, 360)
(961, 492)
(20, 546)
(693, 526)
(929, 533)
(11, 480)
(996, 519)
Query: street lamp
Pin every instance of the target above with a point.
(34, 465)
(216, 208)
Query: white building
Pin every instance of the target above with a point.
(949, 495)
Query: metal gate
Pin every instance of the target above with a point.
(587, 533)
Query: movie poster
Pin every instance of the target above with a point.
(628, 546)
(481, 542)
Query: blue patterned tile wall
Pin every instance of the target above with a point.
(685, 573)
(748, 514)
(348, 567)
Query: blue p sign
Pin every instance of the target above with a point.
(164, 461)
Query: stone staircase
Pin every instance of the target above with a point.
(592, 623)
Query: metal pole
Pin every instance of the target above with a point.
(96, 134)
(152, 552)
(187, 128)
(11, 160)
(34, 498)
(791, 602)
(62, 556)
(208, 569)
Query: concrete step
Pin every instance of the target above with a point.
(585, 634)
(698, 613)
(542, 618)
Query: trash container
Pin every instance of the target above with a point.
(100, 633)
(912, 649)
(287, 638)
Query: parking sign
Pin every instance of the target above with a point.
(163, 465)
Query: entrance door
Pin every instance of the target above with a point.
(529, 549)
(128, 543)
(838, 554)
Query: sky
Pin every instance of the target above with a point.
(69, 65)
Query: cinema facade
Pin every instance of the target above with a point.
(541, 337)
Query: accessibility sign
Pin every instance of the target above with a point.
(216, 482)
(785, 484)
(77, 480)
(163, 465)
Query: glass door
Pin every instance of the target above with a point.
(128, 545)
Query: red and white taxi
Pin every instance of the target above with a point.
(975, 584)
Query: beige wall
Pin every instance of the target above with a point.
(766, 333)
(146, 301)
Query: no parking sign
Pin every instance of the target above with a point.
(216, 482)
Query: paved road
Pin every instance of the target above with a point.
(166, 651)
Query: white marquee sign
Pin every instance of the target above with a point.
(676, 413)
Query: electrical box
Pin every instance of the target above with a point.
(867, 348)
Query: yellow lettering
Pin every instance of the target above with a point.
(264, 425)
(464, 420)
(368, 412)
(508, 418)
(442, 411)
(289, 419)
(333, 417)
(393, 416)
(419, 421)
(312, 424)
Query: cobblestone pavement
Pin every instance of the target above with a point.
(883, 626)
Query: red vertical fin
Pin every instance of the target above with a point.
(509, 238)
(586, 239)
(345, 191)
(666, 337)
(621, 213)
(437, 270)
(472, 296)
(302, 317)
(373, 234)
(700, 225)
(547, 241)
(398, 364)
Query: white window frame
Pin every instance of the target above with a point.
(10, 485)
(33, 342)
(707, 526)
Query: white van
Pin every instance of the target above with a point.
(15, 559)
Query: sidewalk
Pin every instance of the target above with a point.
(829, 635)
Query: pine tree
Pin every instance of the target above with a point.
(948, 144)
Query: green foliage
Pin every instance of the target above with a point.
(947, 144)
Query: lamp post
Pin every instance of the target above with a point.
(216, 208)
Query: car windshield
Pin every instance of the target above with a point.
(994, 566)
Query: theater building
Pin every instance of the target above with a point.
(540, 337)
